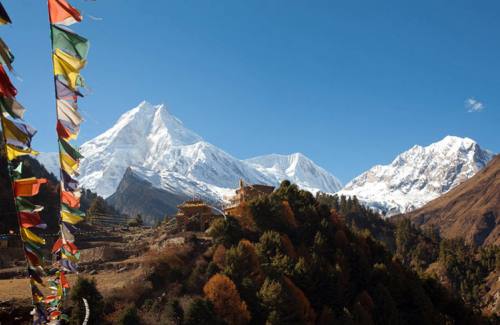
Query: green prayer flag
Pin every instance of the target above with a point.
(69, 42)
(24, 205)
(73, 211)
(67, 148)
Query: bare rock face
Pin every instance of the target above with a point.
(136, 195)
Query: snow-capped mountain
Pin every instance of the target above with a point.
(418, 175)
(162, 151)
(298, 169)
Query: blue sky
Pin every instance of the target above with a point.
(348, 83)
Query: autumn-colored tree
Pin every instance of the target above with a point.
(222, 292)
(219, 256)
(289, 216)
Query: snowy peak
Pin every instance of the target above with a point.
(158, 146)
(419, 175)
(298, 169)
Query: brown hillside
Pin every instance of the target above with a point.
(471, 210)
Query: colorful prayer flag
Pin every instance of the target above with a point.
(19, 133)
(68, 149)
(29, 219)
(6, 56)
(70, 218)
(69, 184)
(24, 205)
(61, 12)
(6, 87)
(14, 152)
(26, 187)
(68, 67)
(71, 199)
(63, 91)
(66, 112)
(69, 42)
(68, 164)
(4, 17)
(29, 236)
(12, 106)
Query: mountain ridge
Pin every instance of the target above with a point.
(418, 175)
(152, 141)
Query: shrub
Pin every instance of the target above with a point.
(86, 288)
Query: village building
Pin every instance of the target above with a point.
(244, 194)
(194, 215)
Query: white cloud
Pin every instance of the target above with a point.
(473, 105)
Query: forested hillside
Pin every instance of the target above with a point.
(289, 260)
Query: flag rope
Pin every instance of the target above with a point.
(16, 139)
(69, 52)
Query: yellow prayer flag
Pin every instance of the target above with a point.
(70, 218)
(14, 152)
(68, 164)
(29, 236)
(69, 67)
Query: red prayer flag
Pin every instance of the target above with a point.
(32, 258)
(64, 281)
(29, 219)
(6, 87)
(61, 12)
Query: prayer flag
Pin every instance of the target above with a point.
(71, 43)
(70, 218)
(12, 106)
(24, 205)
(6, 87)
(63, 91)
(6, 56)
(29, 236)
(67, 148)
(68, 182)
(68, 67)
(68, 164)
(4, 17)
(66, 112)
(66, 234)
(14, 152)
(28, 186)
(20, 133)
(61, 12)
(72, 199)
(29, 219)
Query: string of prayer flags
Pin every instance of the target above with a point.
(69, 57)
(17, 137)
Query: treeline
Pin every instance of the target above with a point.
(464, 267)
(290, 259)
